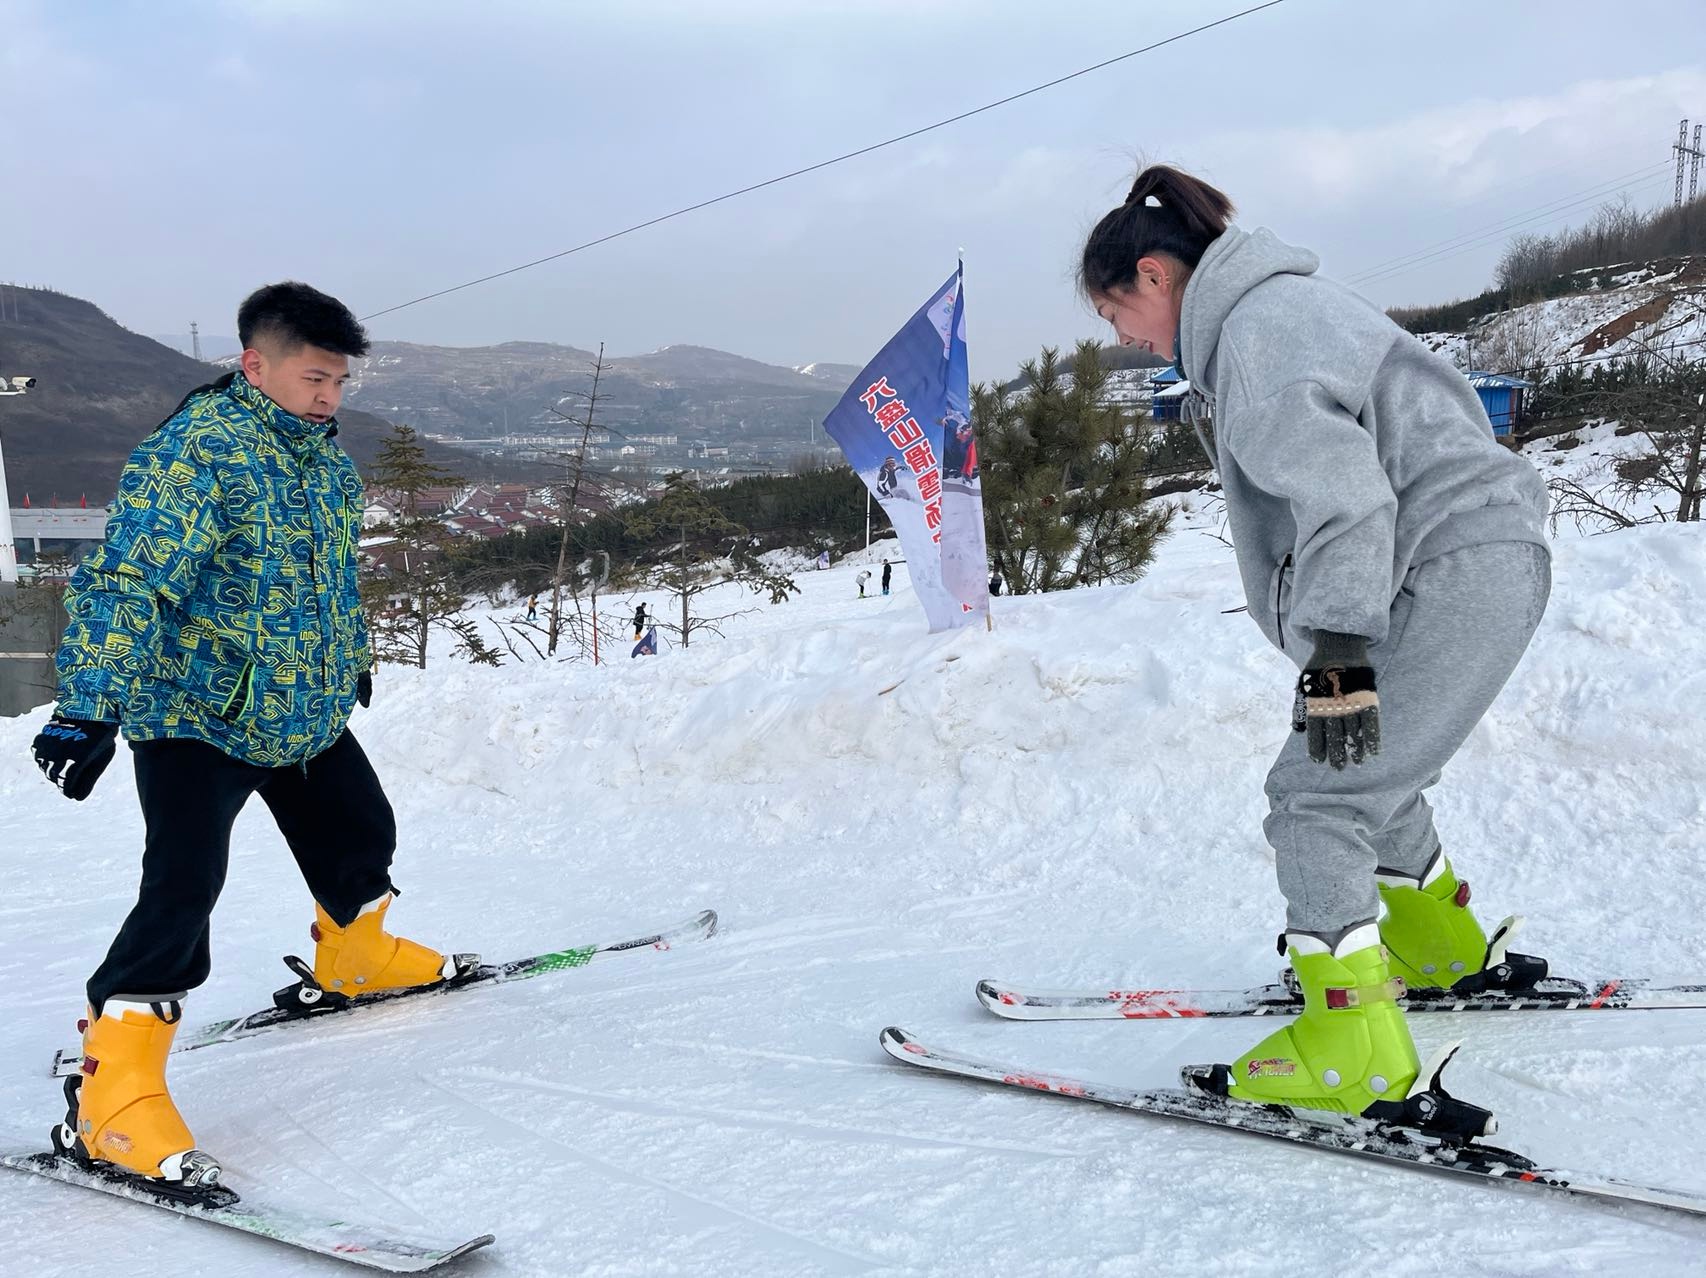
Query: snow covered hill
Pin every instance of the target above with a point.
(883, 817)
(1618, 312)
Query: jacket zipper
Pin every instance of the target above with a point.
(1279, 585)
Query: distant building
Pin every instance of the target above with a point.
(1167, 391)
(1502, 396)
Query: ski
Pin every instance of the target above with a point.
(325, 1235)
(1552, 994)
(1336, 1133)
(299, 1011)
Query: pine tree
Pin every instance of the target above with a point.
(417, 592)
(1064, 492)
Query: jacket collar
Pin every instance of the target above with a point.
(298, 430)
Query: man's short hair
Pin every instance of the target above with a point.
(291, 315)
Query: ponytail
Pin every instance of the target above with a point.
(1186, 217)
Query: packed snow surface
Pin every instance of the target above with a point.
(882, 817)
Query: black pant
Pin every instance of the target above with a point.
(332, 813)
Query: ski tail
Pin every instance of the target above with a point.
(388, 1250)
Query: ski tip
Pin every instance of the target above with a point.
(473, 1244)
(708, 921)
(897, 1042)
(1003, 1002)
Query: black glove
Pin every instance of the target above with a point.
(1336, 701)
(72, 753)
(364, 688)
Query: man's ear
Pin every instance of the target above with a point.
(253, 363)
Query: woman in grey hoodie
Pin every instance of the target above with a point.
(1396, 553)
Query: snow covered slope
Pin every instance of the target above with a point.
(1621, 311)
(883, 817)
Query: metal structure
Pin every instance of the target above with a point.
(1692, 155)
(8, 550)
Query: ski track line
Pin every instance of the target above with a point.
(972, 898)
(334, 1158)
(729, 1049)
(750, 1118)
(563, 1152)
(740, 971)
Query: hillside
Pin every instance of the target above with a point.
(1608, 312)
(100, 389)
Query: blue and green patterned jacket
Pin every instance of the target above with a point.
(223, 605)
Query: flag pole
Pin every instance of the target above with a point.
(988, 601)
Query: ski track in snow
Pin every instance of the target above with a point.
(1074, 799)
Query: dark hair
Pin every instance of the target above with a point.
(291, 315)
(1187, 216)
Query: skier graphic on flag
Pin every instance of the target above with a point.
(648, 645)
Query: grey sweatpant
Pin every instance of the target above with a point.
(1459, 626)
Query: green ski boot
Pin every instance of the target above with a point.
(1435, 942)
(1350, 1052)
(1349, 1048)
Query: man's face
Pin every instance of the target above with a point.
(307, 381)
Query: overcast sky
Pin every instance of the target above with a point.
(163, 158)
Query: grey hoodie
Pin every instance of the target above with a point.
(1348, 452)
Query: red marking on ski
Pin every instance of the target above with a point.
(916, 1049)
(1137, 1005)
(1607, 992)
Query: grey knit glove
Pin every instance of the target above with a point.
(1336, 701)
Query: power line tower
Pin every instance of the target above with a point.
(1693, 155)
(195, 334)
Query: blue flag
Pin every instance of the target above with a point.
(905, 426)
(647, 647)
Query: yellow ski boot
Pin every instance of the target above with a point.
(120, 1114)
(364, 958)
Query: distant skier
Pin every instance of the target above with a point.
(1384, 540)
(639, 621)
(220, 624)
(995, 582)
(861, 579)
(533, 608)
(888, 572)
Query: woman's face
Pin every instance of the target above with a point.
(1145, 313)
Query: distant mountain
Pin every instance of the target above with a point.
(100, 389)
(692, 392)
(840, 374)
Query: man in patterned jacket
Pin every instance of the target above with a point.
(219, 627)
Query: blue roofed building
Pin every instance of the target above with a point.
(1167, 392)
(1501, 395)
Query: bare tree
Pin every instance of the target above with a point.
(1659, 398)
(701, 563)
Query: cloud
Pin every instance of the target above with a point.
(1467, 150)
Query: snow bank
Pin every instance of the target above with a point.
(883, 817)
